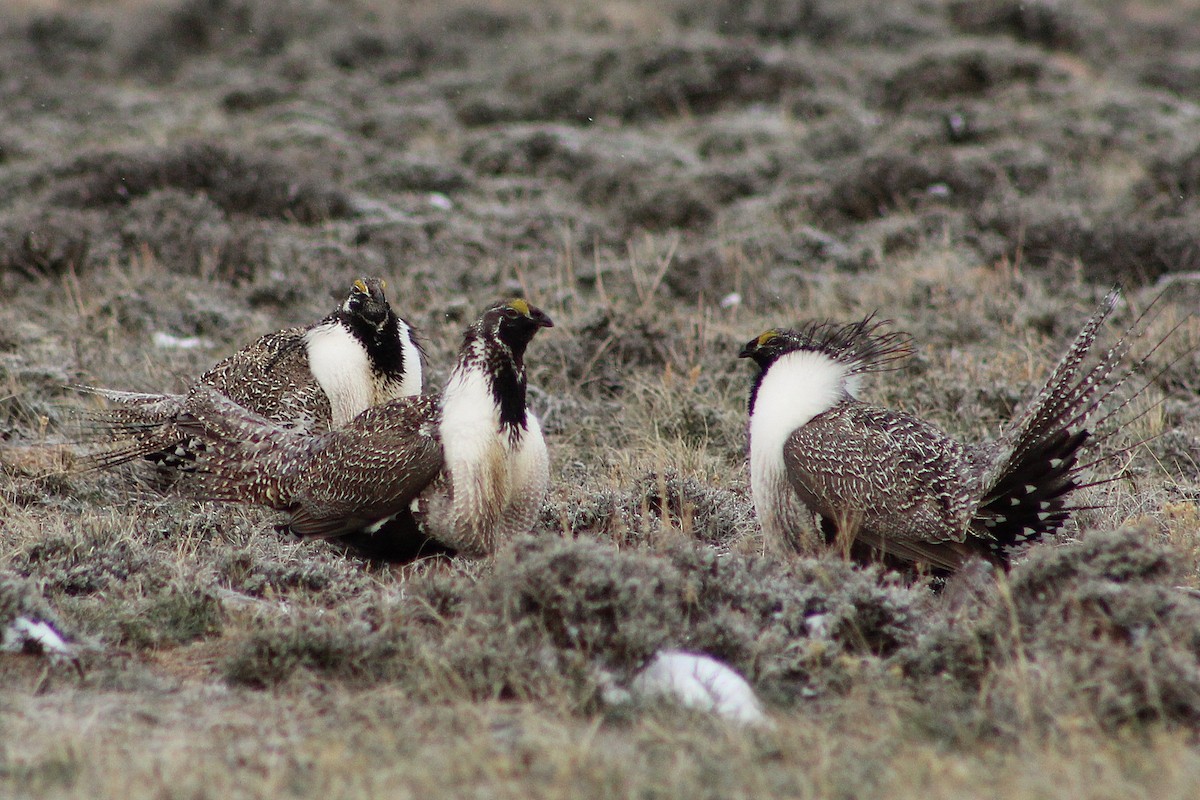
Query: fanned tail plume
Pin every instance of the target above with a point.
(141, 426)
(1036, 464)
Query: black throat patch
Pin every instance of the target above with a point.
(384, 349)
(504, 365)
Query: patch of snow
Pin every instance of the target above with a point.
(169, 341)
(700, 682)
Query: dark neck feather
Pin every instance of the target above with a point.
(754, 386)
(382, 343)
(504, 365)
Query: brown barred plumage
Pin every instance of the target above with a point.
(892, 486)
(457, 471)
(276, 378)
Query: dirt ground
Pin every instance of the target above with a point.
(666, 180)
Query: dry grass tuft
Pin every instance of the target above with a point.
(1096, 630)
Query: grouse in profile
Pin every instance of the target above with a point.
(891, 486)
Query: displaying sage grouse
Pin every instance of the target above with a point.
(457, 471)
(309, 378)
(893, 487)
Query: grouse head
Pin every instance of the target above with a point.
(367, 302)
(858, 346)
(514, 323)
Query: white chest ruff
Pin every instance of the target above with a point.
(470, 425)
(340, 366)
(476, 461)
(412, 380)
(497, 482)
(795, 389)
(529, 481)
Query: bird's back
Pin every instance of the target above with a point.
(886, 471)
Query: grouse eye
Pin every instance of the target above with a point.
(512, 313)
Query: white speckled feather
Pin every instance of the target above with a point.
(529, 479)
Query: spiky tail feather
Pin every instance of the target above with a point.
(145, 400)
(1037, 464)
(246, 457)
(141, 427)
(1030, 499)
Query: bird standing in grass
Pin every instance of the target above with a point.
(889, 486)
(459, 471)
(309, 378)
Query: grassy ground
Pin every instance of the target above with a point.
(666, 181)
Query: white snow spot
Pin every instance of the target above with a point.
(169, 341)
(24, 633)
(699, 682)
(440, 201)
(731, 300)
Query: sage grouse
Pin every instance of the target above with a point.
(310, 378)
(893, 487)
(458, 471)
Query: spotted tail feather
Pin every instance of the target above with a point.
(1030, 500)
(140, 426)
(1036, 465)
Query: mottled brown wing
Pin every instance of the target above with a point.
(272, 377)
(370, 469)
(246, 457)
(269, 377)
(893, 476)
